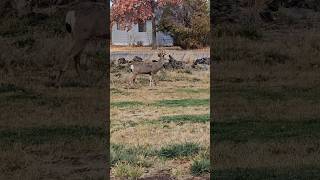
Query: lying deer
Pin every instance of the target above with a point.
(150, 68)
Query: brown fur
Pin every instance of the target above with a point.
(90, 23)
(150, 68)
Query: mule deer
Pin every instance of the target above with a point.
(150, 68)
(84, 21)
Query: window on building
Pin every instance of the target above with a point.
(118, 26)
(142, 26)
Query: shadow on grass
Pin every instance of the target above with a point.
(246, 130)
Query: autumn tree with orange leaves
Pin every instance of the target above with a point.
(129, 12)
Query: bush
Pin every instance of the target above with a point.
(139, 44)
(189, 30)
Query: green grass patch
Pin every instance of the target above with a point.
(5, 88)
(24, 42)
(118, 91)
(71, 83)
(200, 167)
(12, 27)
(186, 118)
(42, 135)
(132, 155)
(182, 102)
(268, 93)
(179, 150)
(244, 130)
(122, 104)
(192, 91)
(127, 171)
(24, 97)
(304, 173)
(11, 93)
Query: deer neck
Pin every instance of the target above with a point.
(161, 60)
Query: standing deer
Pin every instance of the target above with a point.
(150, 68)
(84, 21)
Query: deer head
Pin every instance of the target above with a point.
(163, 55)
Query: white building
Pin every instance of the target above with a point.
(139, 34)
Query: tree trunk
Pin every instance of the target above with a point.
(154, 27)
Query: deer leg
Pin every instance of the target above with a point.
(150, 80)
(61, 72)
(75, 50)
(154, 82)
(77, 64)
(133, 79)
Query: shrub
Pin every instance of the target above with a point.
(247, 28)
(189, 30)
(139, 44)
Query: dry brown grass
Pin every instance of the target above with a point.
(114, 48)
(266, 102)
(139, 126)
(46, 132)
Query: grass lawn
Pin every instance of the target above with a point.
(165, 128)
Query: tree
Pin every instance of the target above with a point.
(188, 23)
(128, 12)
(225, 11)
